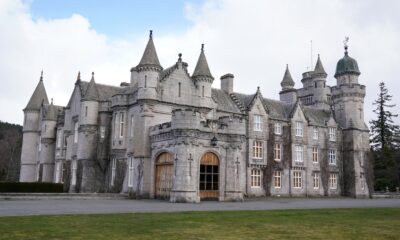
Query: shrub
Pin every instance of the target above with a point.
(30, 187)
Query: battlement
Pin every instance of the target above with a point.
(348, 89)
(185, 119)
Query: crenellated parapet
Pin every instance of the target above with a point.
(185, 119)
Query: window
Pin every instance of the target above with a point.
(65, 141)
(145, 81)
(57, 177)
(115, 125)
(45, 128)
(277, 151)
(315, 84)
(299, 129)
(278, 128)
(113, 168)
(298, 153)
(332, 156)
(297, 179)
(179, 89)
(102, 132)
(73, 178)
(40, 143)
(257, 149)
(257, 123)
(332, 134)
(315, 133)
(86, 110)
(202, 91)
(277, 179)
(362, 181)
(255, 178)
(59, 139)
(316, 180)
(333, 180)
(76, 132)
(315, 154)
(130, 171)
(131, 129)
(121, 124)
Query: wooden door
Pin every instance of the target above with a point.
(209, 177)
(164, 175)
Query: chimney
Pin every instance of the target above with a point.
(227, 83)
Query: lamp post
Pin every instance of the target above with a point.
(214, 141)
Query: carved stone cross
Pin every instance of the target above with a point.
(190, 159)
(237, 166)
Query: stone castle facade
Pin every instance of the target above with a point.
(168, 134)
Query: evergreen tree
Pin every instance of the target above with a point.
(384, 142)
(384, 132)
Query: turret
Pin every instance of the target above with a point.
(288, 93)
(203, 79)
(30, 142)
(147, 73)
(88, 135)
(320, 90)
(348, 95)
(48, 139)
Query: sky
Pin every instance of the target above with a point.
(252, 39)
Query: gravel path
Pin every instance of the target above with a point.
(91, 206)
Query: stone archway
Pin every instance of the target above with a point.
(164, 175)
(209, 177)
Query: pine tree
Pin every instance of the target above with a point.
(384, 132)
(384, 142)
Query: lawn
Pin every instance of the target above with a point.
(282, 224)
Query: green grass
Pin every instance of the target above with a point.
(282, 224)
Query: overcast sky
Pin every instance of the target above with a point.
(252, 39)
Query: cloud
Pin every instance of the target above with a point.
(254, 40)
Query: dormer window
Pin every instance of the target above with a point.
(332, 134)
(299, 129)
(278, 128)
(315, 133)
(258, 123)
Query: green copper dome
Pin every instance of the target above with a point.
(347, 65)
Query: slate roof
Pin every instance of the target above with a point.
(105, 91)
(38, 97)
(243, 100)
(50, 112)
(202, 69)
(287, 81)
(150, 55)
(315, 116)
(224, 101)
(319, 68)
(277, 109)
(91, 93)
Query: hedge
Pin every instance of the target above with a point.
(31, 187)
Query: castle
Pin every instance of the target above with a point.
(168, 134)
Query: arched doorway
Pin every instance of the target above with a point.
(164, 175)
(209, 177)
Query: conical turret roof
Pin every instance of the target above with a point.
(287, 81)
(51, 112)
(92, 93)
(38, 97)
(150, 57)
(319, 68)
(202, 69)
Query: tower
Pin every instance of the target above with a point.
(203, 79)
(31, 134)
(288, 93)
(147, 73)
(348, 99)
(92, 176)
(320, 90)
(48, 139)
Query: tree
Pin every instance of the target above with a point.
(385, 142)
(383, 130)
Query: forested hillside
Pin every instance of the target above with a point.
(10, 151)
